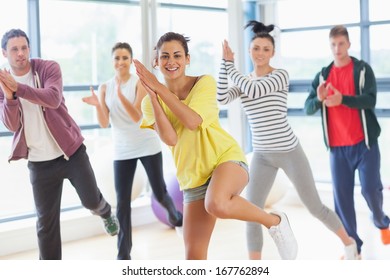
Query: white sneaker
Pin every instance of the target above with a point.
(284, 238)
(179, 231)
(351, 252)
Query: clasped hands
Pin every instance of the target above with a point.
(147, 78)
(330, 100)
(7, 83)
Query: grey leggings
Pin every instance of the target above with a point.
(263, 169)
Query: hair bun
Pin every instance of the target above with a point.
(259, 27)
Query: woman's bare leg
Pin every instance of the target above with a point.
(198, 226)
(223, 198)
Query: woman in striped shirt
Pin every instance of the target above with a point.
(263, 94)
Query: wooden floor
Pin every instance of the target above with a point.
(156, 241)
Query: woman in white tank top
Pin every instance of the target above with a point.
(119, 104)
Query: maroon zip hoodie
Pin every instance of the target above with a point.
(48, 94)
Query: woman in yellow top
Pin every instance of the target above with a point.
(211, 167)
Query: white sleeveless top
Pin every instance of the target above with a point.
(130, 141)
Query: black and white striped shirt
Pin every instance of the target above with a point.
(264, 100)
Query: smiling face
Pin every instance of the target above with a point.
(261, 51)
(122, 60)
(172, 59)
(18, 52)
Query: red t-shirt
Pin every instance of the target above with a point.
(344, 124)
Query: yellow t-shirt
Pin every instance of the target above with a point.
(197, 153)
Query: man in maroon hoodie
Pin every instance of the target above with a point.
(32, 106)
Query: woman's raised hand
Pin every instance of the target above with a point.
(227, 53)
(92, 99)
(147, 78)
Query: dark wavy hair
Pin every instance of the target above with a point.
(261, 30)
(171, 36)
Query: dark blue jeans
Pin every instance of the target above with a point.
(47, 180)
(344, 161)
(124, 171)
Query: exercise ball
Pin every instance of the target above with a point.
(279, 187)
(278, 190)
(176, 194)
(102, 164)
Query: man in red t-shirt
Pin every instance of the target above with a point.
(345, 92)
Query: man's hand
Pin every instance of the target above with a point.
(322, 91)
(7, 79)
(7, 91)
(335, 99)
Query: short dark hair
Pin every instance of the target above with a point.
(13, 33)
(122, 45)
(339, 30)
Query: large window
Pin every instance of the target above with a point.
(79, 35)
(308, 13)
(83, 46)
(205, 38)
(10, 20)
(380, 51)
